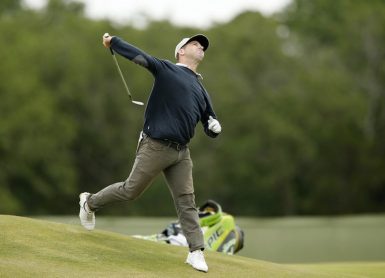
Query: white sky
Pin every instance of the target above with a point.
(195, 13)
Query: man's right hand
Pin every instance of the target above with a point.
(107, 40)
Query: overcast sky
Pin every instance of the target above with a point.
(196, 13)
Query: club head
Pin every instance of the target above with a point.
(137, 102)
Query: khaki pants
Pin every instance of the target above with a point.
(152, 158)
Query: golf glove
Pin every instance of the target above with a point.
(214, 125)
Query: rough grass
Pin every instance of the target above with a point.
(39, 248)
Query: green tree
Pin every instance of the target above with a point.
(299, 95)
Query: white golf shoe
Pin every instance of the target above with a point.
(87, 216)
(197, 260)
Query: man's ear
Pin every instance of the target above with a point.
(181, 51)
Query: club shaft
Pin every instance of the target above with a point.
(121, 74)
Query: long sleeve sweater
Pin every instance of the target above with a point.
(178, 100)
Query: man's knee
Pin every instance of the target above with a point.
(186, 200)
(185, 204)
(130, 192)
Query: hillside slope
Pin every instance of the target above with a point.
(37, 248)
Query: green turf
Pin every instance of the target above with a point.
(357, 269)
(40, 248)
(315, 239)
(282, 240)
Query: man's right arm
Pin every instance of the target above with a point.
(130, 52)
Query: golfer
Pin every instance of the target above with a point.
(178, 101)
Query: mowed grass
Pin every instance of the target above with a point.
(315, 239)
(41, 248)
(282, 239)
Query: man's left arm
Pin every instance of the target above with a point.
(211, 125)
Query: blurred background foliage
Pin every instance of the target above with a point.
(300, 96)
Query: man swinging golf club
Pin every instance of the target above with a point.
(177, 103)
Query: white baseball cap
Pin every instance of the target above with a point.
(200, 38)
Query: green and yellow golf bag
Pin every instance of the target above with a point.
(220, 232)
(219, 229)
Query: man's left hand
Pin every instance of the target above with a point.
(214, 125)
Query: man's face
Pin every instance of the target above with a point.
(195, 50)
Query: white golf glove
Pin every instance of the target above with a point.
(214, 125)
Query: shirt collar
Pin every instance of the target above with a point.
(196, 73)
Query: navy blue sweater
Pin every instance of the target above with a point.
(178, 101)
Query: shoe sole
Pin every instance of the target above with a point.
(87, 225)
(201, 270)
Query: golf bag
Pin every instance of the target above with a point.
(220, 232)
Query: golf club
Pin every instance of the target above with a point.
(121, 75)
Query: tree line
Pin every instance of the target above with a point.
(300, 96)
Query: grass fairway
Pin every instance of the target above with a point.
(39, 248)
(288, 240)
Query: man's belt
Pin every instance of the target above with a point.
(171, 144)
